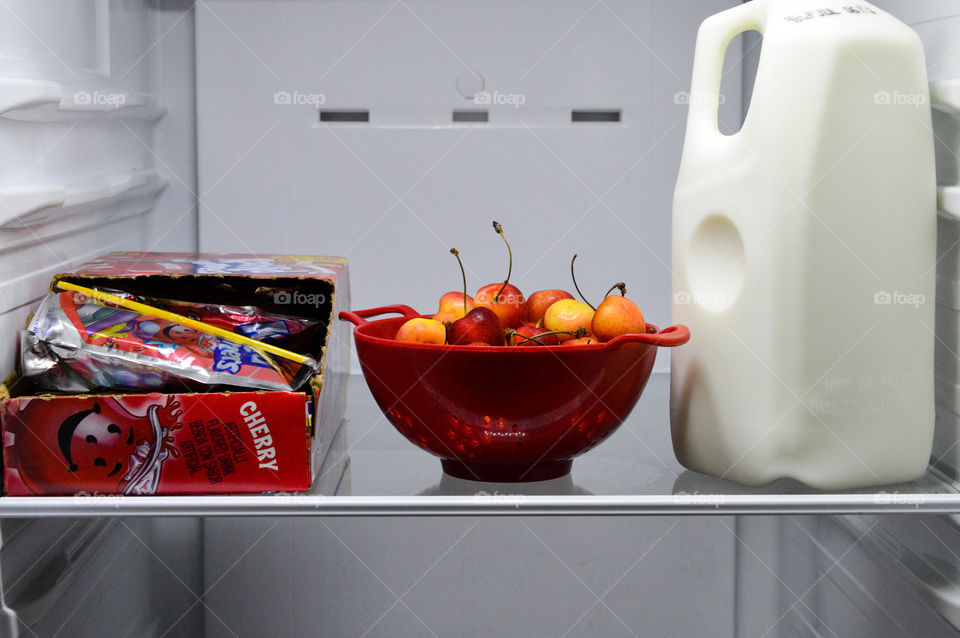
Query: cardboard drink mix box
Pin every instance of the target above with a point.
(113, 440)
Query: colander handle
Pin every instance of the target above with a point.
(359, 317)
(668, 337)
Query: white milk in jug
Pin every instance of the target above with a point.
(803, 254)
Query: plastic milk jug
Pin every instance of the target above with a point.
(804, 251)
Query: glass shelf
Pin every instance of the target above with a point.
(372, 470)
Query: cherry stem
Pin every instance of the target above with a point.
(463, 273)
(619, 285)
(497, 227)
(574, 277)
(578, 333)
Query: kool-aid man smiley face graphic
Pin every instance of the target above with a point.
(95, 445)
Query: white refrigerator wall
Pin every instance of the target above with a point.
(97, 153)
(393, 194)
(97, 140)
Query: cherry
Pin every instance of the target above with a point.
(479, 325)
(538, 302)
(504, 299)
(568, 315)
(420, 330)
(582, 341)
(617, 316)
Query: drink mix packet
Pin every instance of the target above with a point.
(77, 344)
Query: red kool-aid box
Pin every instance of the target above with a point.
(236, 442)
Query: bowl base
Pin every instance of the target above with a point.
(507, 472)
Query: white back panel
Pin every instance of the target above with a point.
(395, 193)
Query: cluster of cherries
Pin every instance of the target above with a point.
(499, 315)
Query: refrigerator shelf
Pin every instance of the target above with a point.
(26, 205)
(633, 473)
(32, 100)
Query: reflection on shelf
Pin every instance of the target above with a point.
(504, 492)
(694, 484)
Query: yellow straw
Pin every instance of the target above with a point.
(144, 309)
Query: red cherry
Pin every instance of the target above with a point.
(479, 325)
(510, 306)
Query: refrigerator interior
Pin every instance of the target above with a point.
(351, 128)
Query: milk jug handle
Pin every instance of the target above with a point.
(713, 38)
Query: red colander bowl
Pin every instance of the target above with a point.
(509, 414)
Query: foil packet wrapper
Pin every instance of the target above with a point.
(77, 344)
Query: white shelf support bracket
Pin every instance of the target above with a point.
(948, 199)
(42, 101)
(22, 205)
(945, 97)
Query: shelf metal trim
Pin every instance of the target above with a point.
(496, 505)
